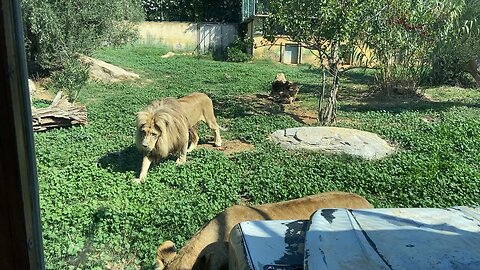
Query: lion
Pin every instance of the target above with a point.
(167, 126)
(208, 248)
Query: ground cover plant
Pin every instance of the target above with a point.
(95, 217)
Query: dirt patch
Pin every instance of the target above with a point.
(264, 104)
(41, 93)
(301, 114)
(229, 147)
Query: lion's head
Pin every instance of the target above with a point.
(161, 128)
(148, 131)
(166, 252)
(280, 77)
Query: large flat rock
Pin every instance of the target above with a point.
(103, 71)
(334, 140)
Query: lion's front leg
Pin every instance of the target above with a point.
(218, 139)
(183, 153)
(143, 172)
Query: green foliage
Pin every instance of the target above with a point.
(56, 31)
(403, 36)
(238, 50)
(330, 27)
(192, 10)
(457, 46)
(71, 79)
(95, 217)
(319, 25)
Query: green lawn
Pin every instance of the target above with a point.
(94, 217)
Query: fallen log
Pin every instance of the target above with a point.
(61, 113)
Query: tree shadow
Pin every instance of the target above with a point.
(88, 250)
(253, 105)
(397, 103)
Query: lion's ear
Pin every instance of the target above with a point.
(166, 252)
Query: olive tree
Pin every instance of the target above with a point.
(328, 27)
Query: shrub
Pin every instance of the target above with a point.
(403, 38)
(71, 79)
(458, 45)
(238, 51)
(58, 30)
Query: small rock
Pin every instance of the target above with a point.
(167, 55)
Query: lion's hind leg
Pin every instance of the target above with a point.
(212, 124)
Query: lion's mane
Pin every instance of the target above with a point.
(167, 117)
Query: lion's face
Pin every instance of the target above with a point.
(149, 138)
(148, 132)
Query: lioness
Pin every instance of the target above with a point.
(208, 248)
(166, 126)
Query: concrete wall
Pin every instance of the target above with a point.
(279, 51)
(282, 49)
(201, 37)
(175, 35)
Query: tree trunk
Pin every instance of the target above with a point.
(321, 97)
(60, 113)
(328, 115)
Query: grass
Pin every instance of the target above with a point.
(94, 217)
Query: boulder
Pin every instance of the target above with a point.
(334, 140)
(100, 70)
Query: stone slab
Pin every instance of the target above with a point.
(334, 140)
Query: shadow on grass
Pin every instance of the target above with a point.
(126, 160)
(356, 75)
(397, 103)
(119, 259)
(253, 105)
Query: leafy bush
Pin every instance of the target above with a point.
(238, 51)
(56, 31)
(192, 10)
(458, 45)
(403, 38)
(71, 79)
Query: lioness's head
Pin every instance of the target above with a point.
(166, 252)
(149, 128)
